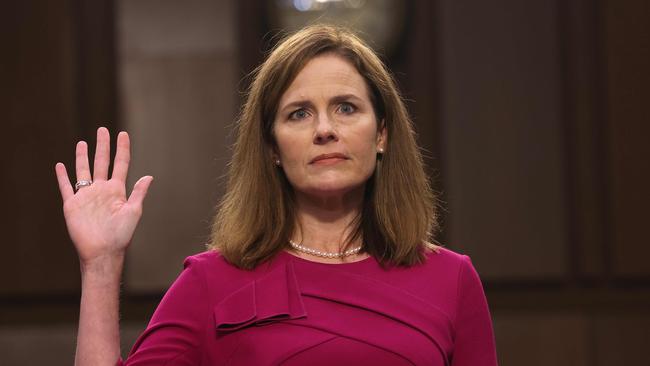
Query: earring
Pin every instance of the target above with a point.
(277, 162)
(380, 150)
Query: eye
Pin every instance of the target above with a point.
(298, 114)
(347, 108)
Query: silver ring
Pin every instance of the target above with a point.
(82, 183)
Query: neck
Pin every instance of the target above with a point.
(324, 222)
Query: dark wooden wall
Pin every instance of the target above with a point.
(58, 86)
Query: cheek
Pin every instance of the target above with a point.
(290, 153)
(366, 142)
(284, 144)
(371, 162)
(291, 156)
(367, 156)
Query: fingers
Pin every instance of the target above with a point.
(102, 154)
(122, 157)
(81, 164)
(64, 181)
(140, 190)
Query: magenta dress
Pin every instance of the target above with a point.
(292, 311)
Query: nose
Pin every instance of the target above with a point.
(325, 131)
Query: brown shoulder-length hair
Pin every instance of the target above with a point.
(257, 214)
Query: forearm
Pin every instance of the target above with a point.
(98, 339)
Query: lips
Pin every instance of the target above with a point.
(326, 158)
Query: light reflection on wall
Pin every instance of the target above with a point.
(319, 5)
(379, 22)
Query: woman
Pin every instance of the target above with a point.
(319, 250)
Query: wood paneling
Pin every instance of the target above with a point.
(622, 339)
(415, 66)
(49, 76)
(626, 54)
(503, 147)
(178, 93)
(558, 339)
(55, 343)
(584, 126)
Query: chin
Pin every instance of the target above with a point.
(332, 188)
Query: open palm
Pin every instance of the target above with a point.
(100, 219)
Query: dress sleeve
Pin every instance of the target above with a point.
(474, 344)
(177, 328)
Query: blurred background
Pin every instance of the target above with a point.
(533, 116)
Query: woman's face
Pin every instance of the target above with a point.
(326, 130)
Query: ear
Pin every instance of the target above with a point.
(275, 158)
(275, 154)
(382, 136)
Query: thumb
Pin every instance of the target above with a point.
(140, 191)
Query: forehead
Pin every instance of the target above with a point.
(325, 76)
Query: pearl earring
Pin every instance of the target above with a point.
(277, 162)
(380, 150)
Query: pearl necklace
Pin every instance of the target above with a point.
(319, 253)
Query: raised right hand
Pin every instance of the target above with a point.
(99, 218)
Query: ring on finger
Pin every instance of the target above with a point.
(82, 183)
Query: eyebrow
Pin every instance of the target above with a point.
(333, 100)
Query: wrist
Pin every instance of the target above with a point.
(108, 265)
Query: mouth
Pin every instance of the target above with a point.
(326, 159)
